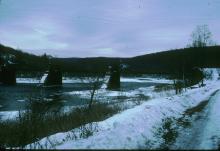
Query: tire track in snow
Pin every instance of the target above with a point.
(192, 126)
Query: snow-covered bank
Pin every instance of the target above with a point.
(141, 80)
(8, 115)
(27, 80)
(135, 128)
(79, 80)
(145, 79)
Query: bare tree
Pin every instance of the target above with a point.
(94, 82)
(201, 37)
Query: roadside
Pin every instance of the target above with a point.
(192, 129)
(136, 128)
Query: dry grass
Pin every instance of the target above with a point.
(163, 87)
(34, 124)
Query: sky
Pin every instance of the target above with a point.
(111, 28)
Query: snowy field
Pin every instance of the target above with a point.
(137, 128)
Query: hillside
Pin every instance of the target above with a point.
(25, 62)
(172, 61)
(175, 60)
(161, 62)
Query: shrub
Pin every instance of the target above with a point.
(31, 126)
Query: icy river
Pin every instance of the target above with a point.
(14, 98)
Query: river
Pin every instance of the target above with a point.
(13, 98)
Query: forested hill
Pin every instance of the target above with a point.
(161, 62)
(25, 61)
(174, 60)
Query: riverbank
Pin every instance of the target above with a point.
(136, 128)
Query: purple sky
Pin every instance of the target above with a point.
(88, 28)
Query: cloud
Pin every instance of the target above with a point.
(72, 28)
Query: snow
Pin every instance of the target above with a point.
(103, 93)
(145, 80)
(78, 80)
(145, 91)
(211, 135)
(6, 115)
(44, 78)
(135, 128)
(123, 79)
(27, 80)
(72, 80)
(21, 100)
(12, 115)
